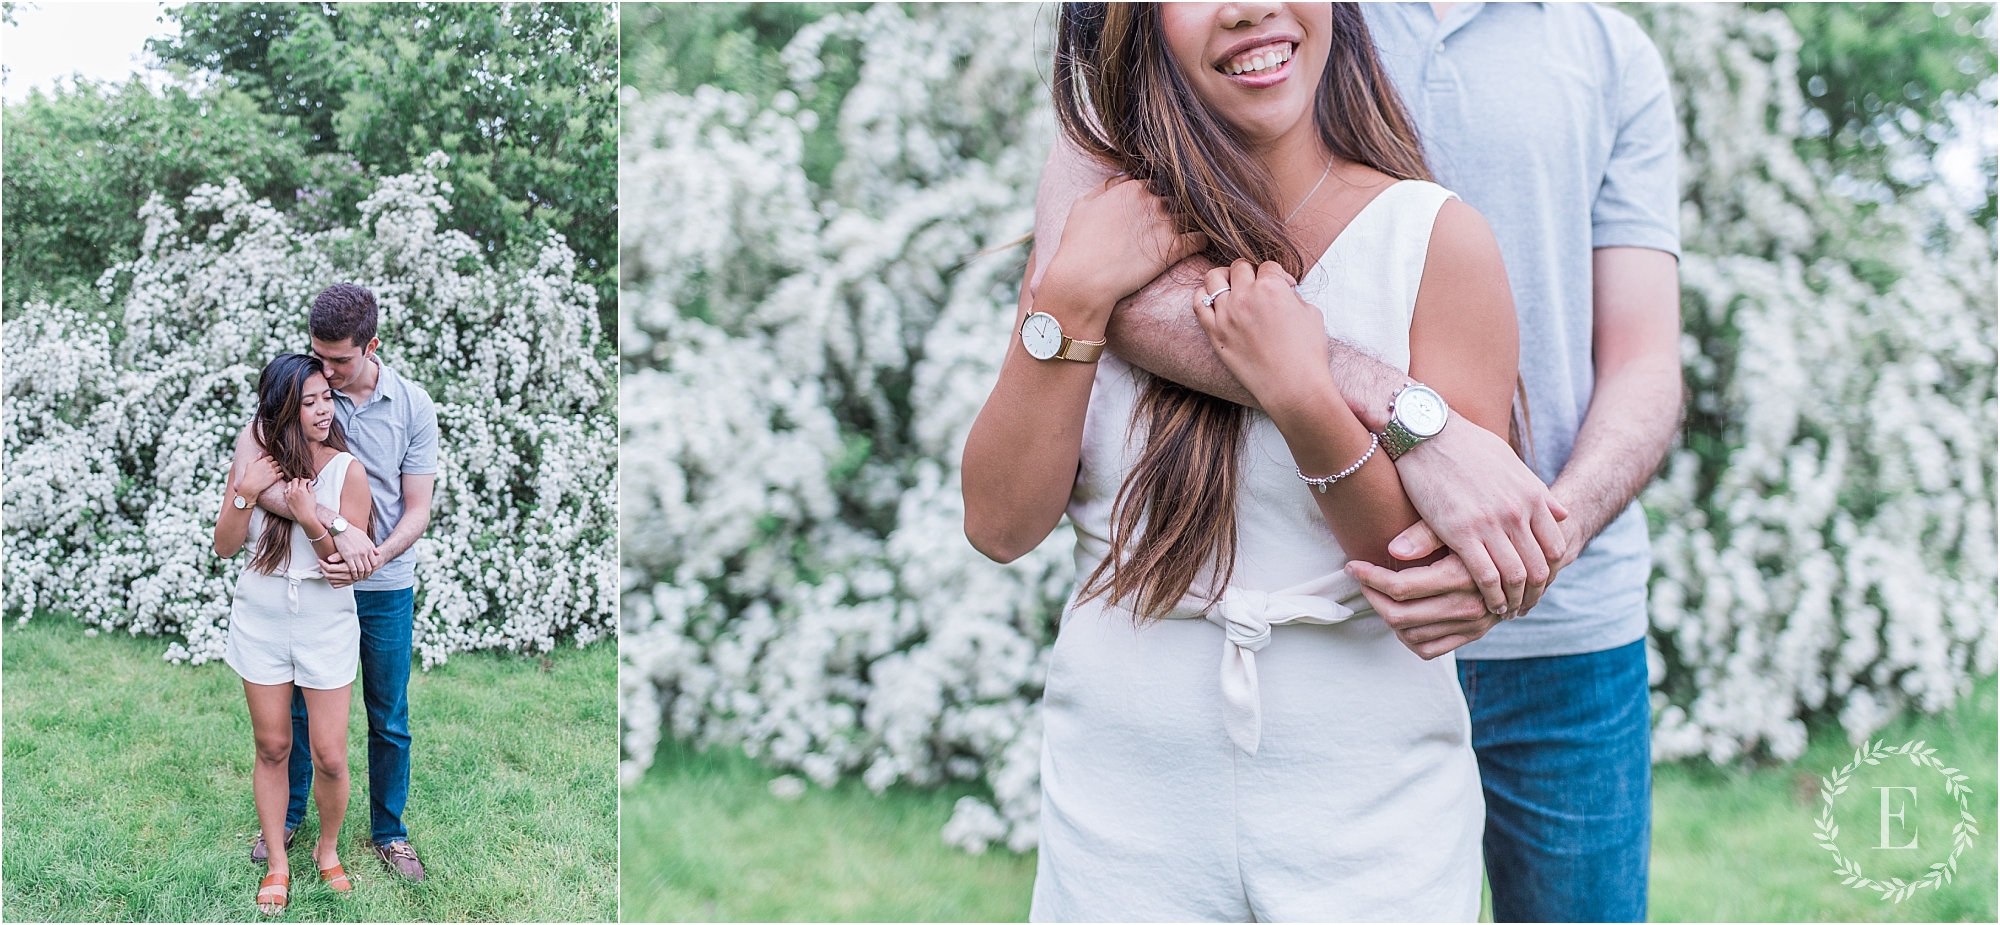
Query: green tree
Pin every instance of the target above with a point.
(83, 159)
(522, 96)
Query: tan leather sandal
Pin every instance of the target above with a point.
(273, 892)
(336, 879)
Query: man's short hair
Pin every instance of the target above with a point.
(343, 312)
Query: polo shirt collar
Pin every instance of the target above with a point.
(384, 378)
(1454, 20)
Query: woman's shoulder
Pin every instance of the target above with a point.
(1460, 231)
(1426, 193)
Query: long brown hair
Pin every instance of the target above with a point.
(281, 433)
(1120, 97)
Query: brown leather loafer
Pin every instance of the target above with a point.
(260, 853)
(402, 859)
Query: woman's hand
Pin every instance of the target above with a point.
(1272, 341)
(1115, 241)
(259, 475)
(300, 499)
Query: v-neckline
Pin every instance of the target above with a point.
(1351, 222)
(337, 453)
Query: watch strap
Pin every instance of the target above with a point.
(1082, 351)
(1397, 439)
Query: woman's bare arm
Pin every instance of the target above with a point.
(355, 502)
(1022, 453)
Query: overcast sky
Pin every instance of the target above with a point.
(102, 41)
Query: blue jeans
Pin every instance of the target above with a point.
(1565, 757)
(387, 621)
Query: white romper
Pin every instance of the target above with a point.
(296, 626)
(1284, 757)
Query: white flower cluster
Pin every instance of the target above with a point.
(1836, 549)
(118, 434)
(802, 363)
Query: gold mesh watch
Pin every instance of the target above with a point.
(1044, 339)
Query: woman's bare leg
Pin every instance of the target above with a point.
(271, 725)
(326, 715)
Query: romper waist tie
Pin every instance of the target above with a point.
(292, 578)
(1246, 617)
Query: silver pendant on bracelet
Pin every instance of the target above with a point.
(1374, 440)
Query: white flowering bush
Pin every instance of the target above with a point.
(1825, 536)
(802, 361)
(119, 429)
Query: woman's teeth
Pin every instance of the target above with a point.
(1260, 61)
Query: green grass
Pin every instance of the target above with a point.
(1737, 845)
(128, 789)
(705, 840)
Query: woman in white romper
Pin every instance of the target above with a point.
(1229, 732)
(288, 625)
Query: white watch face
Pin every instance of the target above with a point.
(1421, 411)
(1042, 335)
(339, 524)
(240, 503)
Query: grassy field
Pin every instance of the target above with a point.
(128, 789)
(705, 840)
(1736, 845)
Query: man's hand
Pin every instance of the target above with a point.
(1634, 410)
(1478, 498)
(355, 559)
(1433, 608)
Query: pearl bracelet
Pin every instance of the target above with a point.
(1374, 440)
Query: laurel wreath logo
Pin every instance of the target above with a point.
(1895, 889)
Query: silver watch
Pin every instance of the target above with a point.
(339, 525)
(1416, 413)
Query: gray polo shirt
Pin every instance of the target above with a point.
(1556, 122)
(394, 434)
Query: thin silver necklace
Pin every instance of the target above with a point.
(1309, 194)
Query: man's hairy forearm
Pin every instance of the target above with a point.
(408, 529)
(1633, 417)
(1155, 330)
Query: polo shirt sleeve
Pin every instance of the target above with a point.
(1638, 204)
(422, 456)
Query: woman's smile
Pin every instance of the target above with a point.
(1256, 66)
(1265, 62)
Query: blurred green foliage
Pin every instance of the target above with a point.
(312, 102)
(676, 47)
(1879, 72)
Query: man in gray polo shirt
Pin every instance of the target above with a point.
(1556, 122)
(391, 426)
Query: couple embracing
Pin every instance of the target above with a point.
(1349, 336)
(330, 487)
